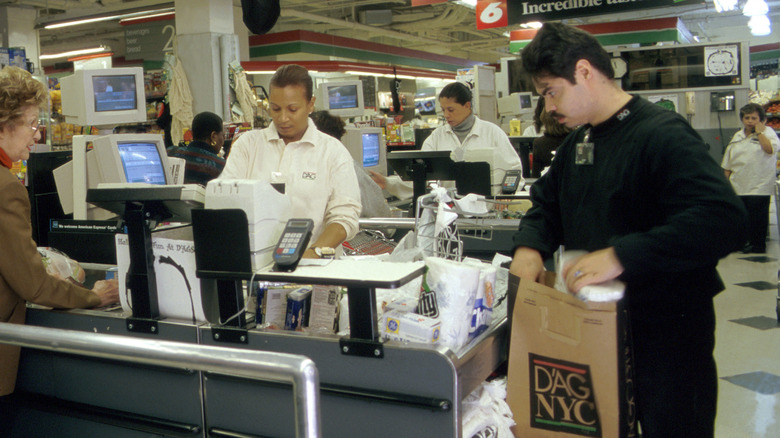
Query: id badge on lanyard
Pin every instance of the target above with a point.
(584, 152)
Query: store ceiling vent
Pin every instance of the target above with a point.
(376, 17)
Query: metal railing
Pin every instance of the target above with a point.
(297, 370)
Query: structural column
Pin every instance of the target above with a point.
(206, 43)
(17, 29)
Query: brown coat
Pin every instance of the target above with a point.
(22, 274)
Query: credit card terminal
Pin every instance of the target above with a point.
(511, 180)
(292, 244)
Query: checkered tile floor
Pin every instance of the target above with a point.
(747, 347)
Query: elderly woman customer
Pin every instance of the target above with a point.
(23, 277)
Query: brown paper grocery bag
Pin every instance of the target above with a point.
(570, 368)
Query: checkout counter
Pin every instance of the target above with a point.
(368, 387)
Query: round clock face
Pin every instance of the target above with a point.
(720, 62)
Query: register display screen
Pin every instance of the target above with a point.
(370, 149)
(343, 97)
(142, 163)
(114, 93)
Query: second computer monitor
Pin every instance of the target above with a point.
(367, 147)
(132, 158)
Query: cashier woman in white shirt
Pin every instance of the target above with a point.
(317, 170)
(467, 136)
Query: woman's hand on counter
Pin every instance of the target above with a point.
(108, 291)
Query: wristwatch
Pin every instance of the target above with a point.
(325, 252)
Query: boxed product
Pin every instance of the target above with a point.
(324, 308)
(274, 306)
(411, 327)
(298, 303)
(570, 365)
(405, 304)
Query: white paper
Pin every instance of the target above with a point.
(174, 297)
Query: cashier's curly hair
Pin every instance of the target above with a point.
(18, 90)
(293, 74)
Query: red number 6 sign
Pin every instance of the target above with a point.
(491, 14)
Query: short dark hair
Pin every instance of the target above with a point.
(204, 124)
(293, 74)
(556, 48)
(752, 108)
(329, 124)
(458, 91)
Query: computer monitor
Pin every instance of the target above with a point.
(104, 97)
(367, 147)
(116, 158)
(343, 98)
(516, 104)
(132, 158)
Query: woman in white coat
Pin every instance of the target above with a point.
(468, 137)
(750, 163)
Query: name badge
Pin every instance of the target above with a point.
(584, 155)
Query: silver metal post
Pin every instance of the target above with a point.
(297, 370)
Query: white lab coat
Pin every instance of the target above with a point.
(485, 142)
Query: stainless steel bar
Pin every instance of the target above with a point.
(463, 223)
(297, 370)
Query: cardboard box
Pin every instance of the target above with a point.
(405, 326)
(570, 367)
(324, 308)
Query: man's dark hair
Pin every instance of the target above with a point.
(753, 108)
(329, 124)
(204, 124)
(458, 91)
(293, 74)
(556, 48)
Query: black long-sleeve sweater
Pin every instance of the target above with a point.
(653, 193)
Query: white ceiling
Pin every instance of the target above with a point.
(447, 29)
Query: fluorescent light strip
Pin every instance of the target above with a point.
(133, 15)
(130, 20)
(79, 22)
(73, 53)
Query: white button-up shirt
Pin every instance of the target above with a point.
(318, 172)
(753, 171)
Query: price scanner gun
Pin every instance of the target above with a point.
(292, 244)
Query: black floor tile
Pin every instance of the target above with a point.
(759, 381)
(759, 259)
(758, 285)
(758, 322)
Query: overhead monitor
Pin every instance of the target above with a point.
(367, 147)
(104, 97)
(516, 103)
(343, 98)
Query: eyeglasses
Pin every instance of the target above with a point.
(34, 126)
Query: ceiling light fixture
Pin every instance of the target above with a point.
(725, 5)
(72, 53)
(760, 25)
(755, 7)
(96, 19)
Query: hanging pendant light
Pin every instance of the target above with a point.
(760, 25)
(755, 7)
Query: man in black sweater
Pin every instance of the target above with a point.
(635, 187)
